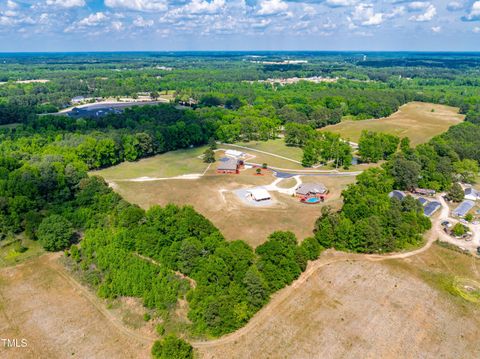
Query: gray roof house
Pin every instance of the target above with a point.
(397, 194)
(463, 208)
(431, 208)
(227, 164)
(311, 188)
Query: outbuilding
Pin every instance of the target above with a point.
(431, 207)
(235, 154)
(471, 194)
(397, 194)
(463, 208)
(259, 194)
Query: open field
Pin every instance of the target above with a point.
(414, 120)
(170, 164)
(39, 303)
(212, 196)
(277, 147)
(11, 254)
(367, 309)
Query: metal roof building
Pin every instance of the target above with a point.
(431, 208)
(397, 194)
(463, 208)
(259, 194)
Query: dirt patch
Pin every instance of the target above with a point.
(57, 320)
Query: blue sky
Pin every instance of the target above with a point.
(135, 25)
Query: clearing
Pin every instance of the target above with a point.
(212, 195)
(414, 120)
(40, 302)
(396, 308)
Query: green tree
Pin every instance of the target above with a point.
(172, 347)
(467, 169)
(55, 233)
(208, 156)
(456, 193)
(406, 173)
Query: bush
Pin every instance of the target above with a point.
(55, 233)
(172, 348)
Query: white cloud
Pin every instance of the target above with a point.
(272, 7)
(117, 25)
(454, 6)
(204, 7)
(66, 3)
(365, 15)
(474, 13)
(436, 29)
(93, 19)
(141, 22)
(138, 5)
(340, 3)
(476, 30)
(12, 4)
(428, 15)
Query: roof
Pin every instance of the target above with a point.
(471, 191)
(425, 191)
(423, 201)
(397, 194)
(463, 208)
(306, 188)
(230, 164)
(431, 208)
(259, 194)
(78, 98)
(234, 153)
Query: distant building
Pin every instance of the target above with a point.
(463, 208)
(397, 194)
(77, 112)
(431, 207)
(77, 99)
(425, 192)
(228, 165)
(471, 194)
(259, 194)
(311, 189)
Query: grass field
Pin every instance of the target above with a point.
(414, 120)
(212, 196)
(170, 164)
(39, 303)
(363, 309)
(11, 254)
(277, 147)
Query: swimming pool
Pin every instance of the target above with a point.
(312, 200)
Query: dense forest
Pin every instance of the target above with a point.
(163, 254)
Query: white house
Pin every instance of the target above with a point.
(235, 154)
(471, 194)
(259, 194)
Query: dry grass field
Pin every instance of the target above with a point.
(212, 196)
(366, 309)
(39, 303)
(414, 120)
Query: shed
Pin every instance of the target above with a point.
(259, 194)
(425, 191)
(463, 208)
(309, 189)
(397, 194)
(431, 208)
(78, 99)
(423, 201)
(471, 194)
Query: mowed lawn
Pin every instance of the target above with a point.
(415, 120)
(170, 164)
(276, 146)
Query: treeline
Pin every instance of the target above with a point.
(376, 146)
(371, 222)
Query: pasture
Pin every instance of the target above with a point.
(366, 309)
(415, 120)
